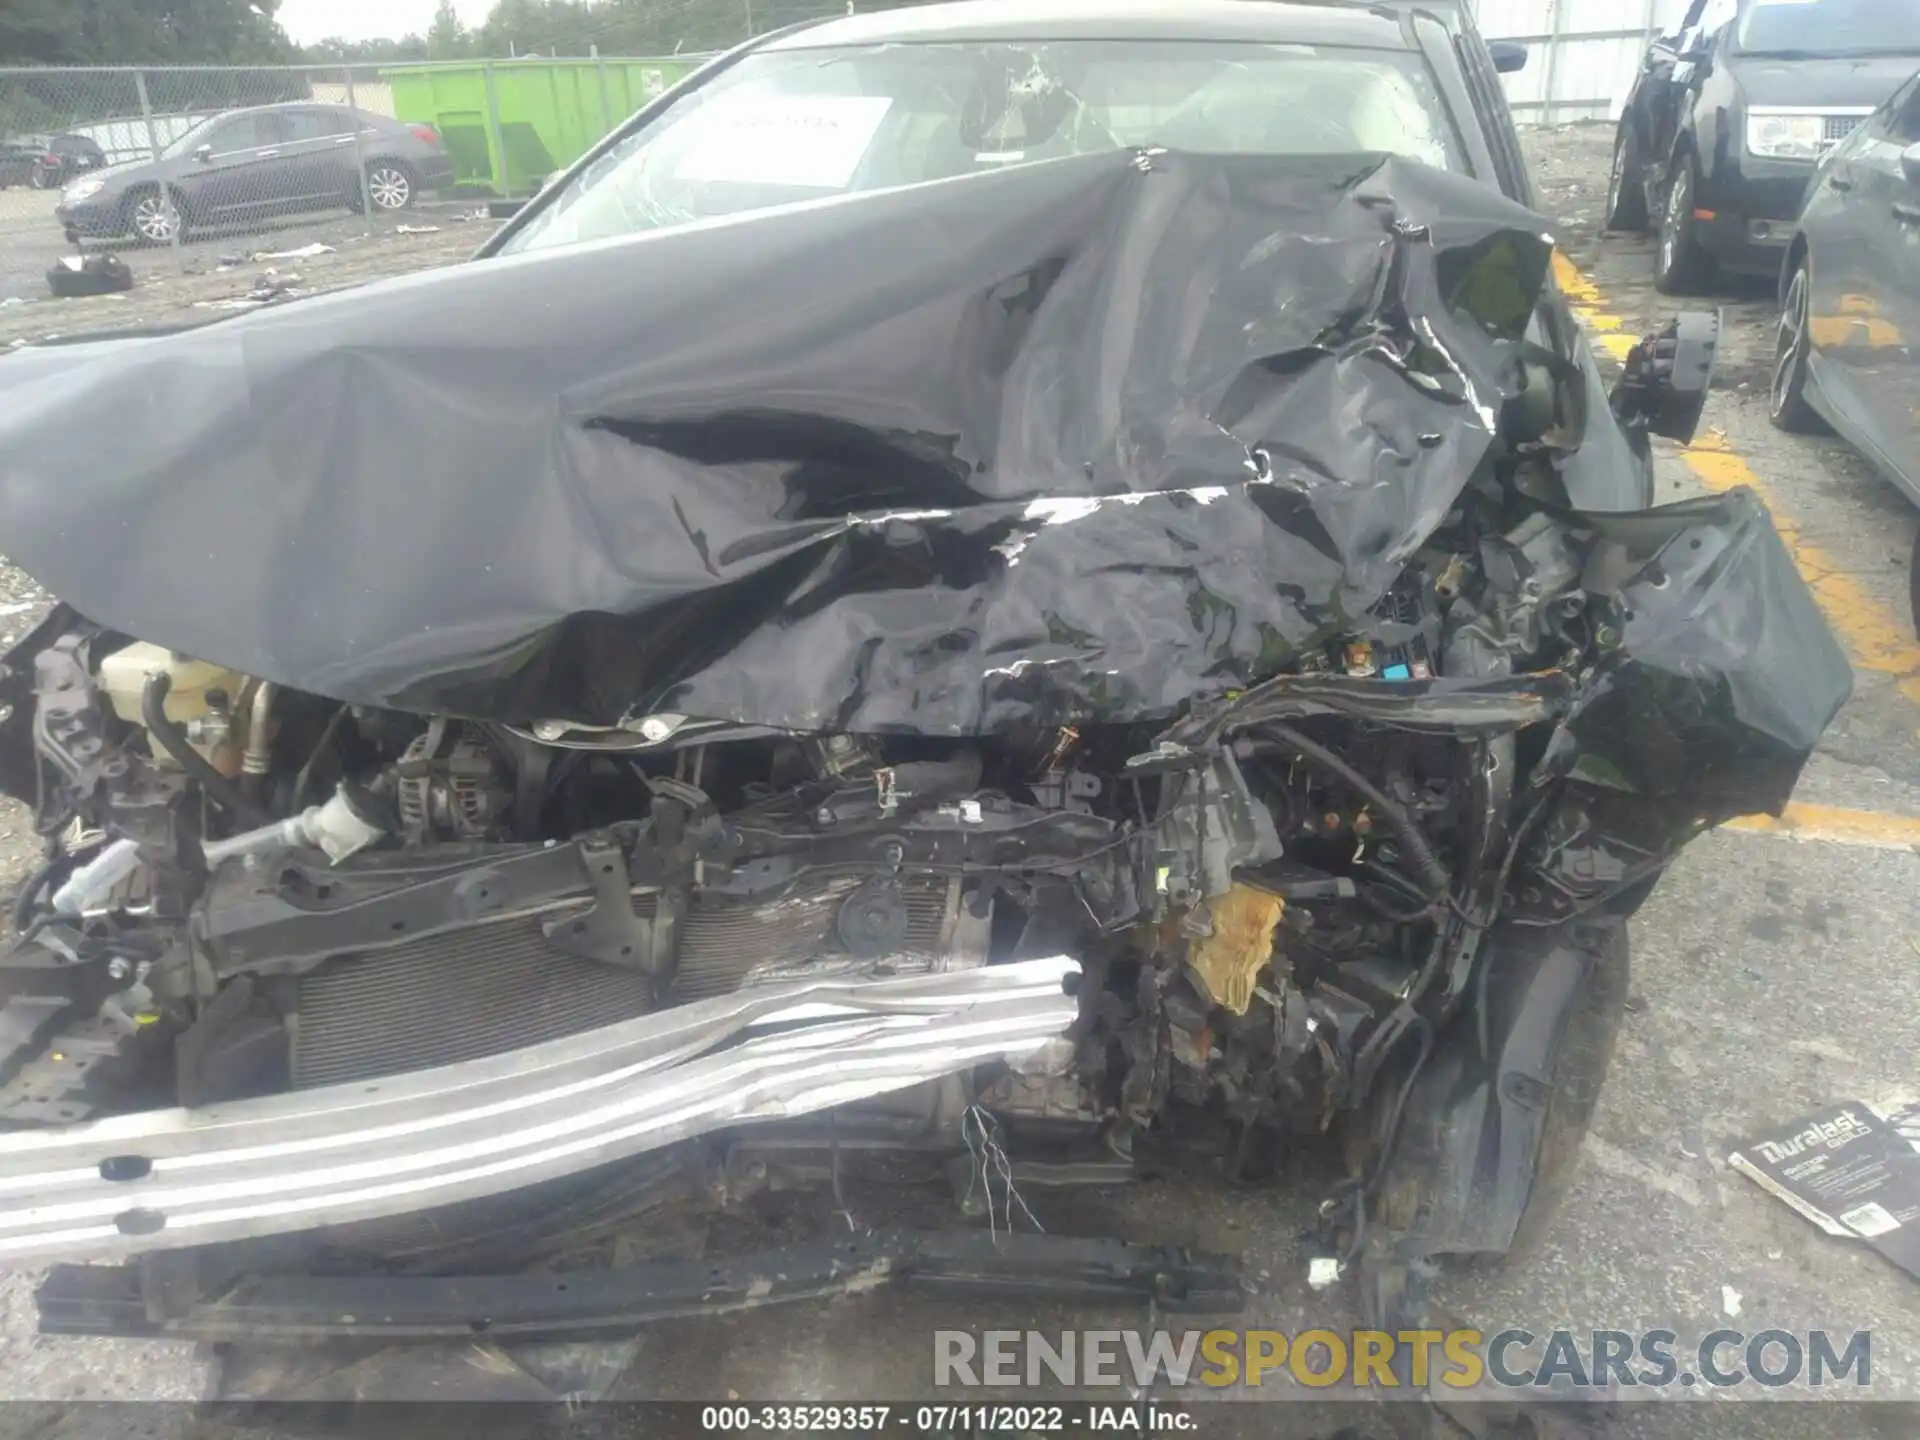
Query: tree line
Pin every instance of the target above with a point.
(244, 32)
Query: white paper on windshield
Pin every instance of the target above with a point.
(816, 141)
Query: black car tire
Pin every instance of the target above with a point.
(1787, 405)
(1680, 265)
(391, 186)
(1626, 187)
(133, 219)
(44, 177)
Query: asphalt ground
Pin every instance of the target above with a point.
(1777, 969)
(216, 268)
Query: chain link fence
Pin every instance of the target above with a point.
(145, 161)
(154, 155)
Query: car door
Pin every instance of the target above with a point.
(241, 167)
(1864, 308)
(1653, 107)
(319, 154)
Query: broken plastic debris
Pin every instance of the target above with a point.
(416, 229)
(305, 252)
(1730, 1300)
(73, 276)
(1322, 1271)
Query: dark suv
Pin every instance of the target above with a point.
(1730, 115)
(44, 161)
(267, 160)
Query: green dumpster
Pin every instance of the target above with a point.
(545, 113)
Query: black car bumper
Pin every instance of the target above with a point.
(121, 1300)
(97, 218)
(1746, 213)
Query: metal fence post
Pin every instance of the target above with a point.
(1556, 13)
(600, 73)
(499, 176)
(359, 155)
(153, 144)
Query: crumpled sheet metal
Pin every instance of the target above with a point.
(1075, 441)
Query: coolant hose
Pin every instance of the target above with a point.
(257, 760)
(172, 739)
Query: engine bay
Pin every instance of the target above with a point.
(277, 892)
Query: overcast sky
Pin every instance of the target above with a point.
(310, 20)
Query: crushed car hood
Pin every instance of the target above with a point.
(1086, 440)
(1081, 440)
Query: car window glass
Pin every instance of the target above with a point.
(783, 126)
(1805, 29)
(243, 132)
(255, 132)
(1682, 22)
(1711, 18)
(314, 124)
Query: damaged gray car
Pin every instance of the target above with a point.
(1087, 622)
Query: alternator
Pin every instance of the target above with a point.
(454, 795)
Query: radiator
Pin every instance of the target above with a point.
(497, 986)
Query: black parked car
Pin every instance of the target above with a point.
(1850, 300)
(1729, 117)
(268, 160)
(46, 161)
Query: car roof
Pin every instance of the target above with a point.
(1255, 20)
(281, 105)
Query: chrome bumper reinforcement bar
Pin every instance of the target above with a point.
(362, 1150)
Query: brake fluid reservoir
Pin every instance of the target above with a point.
(204, 698)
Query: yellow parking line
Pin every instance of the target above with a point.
(1828, 822)
(1608, 333)
(1876, 638)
